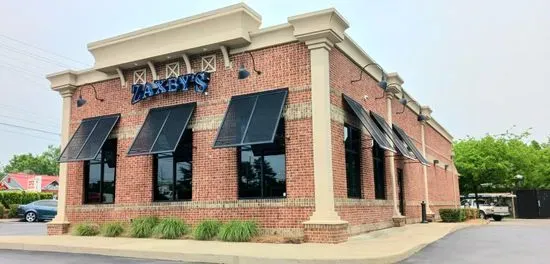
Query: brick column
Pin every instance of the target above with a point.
(426, 112)
(60, 225)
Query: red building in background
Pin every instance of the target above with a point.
(30, 182)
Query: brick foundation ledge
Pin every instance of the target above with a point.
(399, 221)
(319, 232)
(56, 229)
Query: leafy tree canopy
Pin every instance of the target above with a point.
(44, 163)
(495, 160)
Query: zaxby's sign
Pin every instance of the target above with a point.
(198, 81)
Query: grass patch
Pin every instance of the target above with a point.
(207, 229)
(171, 228)
(85, 229)
(142, 227)
(238, 231)
(112, 229)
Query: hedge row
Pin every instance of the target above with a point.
(22, 197)
(458, 214)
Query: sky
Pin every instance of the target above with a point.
(479, 65)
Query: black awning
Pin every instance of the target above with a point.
(88, 139)
(368, 123)
(162, 130)
(407, 140)
(401, 146)
(251, 119)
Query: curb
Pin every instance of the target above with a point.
(214, 258)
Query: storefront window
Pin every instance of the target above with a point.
(352, 144)
(379, 172)
(173, 172)
(100, 175)
(262, 168)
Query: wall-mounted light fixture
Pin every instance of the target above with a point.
(446, 166)
(383, 83)
(81, 101)
(404, 101)
(243, 73)
(436, 162)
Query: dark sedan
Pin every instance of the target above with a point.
(38, 210)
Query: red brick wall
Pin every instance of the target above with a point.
(214, 170)
(367, 211)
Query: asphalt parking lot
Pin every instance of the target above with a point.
(509, 241)
(18, 228)
(32, 257)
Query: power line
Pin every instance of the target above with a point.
(30, 128)
(40, 76)
(30, 77)
(41, 49)
(28, 121)
(35, 56)
(29, 135)
(26, 111)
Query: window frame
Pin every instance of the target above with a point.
(173, 156)
(102, 162)
(356, 154)
(279, 136)
(381, 162)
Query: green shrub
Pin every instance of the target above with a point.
(238, 231)
(12, 212)
(46, 196)
(451, 215)
(171, 228)
(29, 197)
(470, 213)
(112, 229)
(143, 226)
(22, 197)
(85, 229)
(11, 197)
(207, 230)
(2, 211)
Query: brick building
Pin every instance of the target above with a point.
(284, 125)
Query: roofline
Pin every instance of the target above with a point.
(293, 31)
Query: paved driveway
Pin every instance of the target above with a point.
(15, 228)
(510, 241)
(31, 257)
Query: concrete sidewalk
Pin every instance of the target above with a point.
(384, 246)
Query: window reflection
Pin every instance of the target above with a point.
(262, 168)
(352, 143)
(100, 175)
(173, 179)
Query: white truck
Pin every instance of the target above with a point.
(487, 208)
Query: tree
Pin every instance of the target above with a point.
(44, 163)
(494, 160)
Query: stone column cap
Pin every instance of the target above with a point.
(426, 111)
(394, 83)
(328, 24)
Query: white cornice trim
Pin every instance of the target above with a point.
(175, 24)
